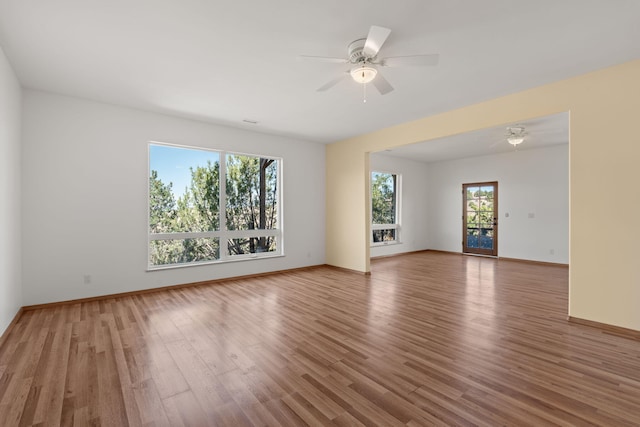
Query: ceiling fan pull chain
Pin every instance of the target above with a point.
(364, 92)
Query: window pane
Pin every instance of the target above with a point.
(383, 198)
(251, 245)
(179, 251)
(387, 235)
(472, 192)
(184, 189)
(251, 186)
(486, 205)
(473, 205)
(487, 192)
(485, 216)
(486, 242)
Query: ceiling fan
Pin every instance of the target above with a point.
(363, 57)
(515, 135)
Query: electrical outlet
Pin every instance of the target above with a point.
(87, 279)
(552, 251)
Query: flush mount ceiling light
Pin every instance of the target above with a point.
(515, 135)
(363, 74)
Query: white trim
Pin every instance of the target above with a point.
(222, 197)
(389, 243)
(200, 263)
(231, 234)
(385, 226)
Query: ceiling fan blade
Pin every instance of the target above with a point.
(382, 84)
(333, 82)
(411, 60)
(375, 40)
(322, 59)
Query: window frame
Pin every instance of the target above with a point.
(398, 209)
(222, 234)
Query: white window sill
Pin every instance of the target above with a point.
(237, 258)
(383, 244)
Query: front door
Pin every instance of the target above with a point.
(480, 218)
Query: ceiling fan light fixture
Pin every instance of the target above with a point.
(363, 74)
(515, 140)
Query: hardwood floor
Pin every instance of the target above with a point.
(427, 339)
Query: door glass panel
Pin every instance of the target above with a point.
(486, 236)
(472, 192)
(487, 192)
(472, 237)
(486, 205)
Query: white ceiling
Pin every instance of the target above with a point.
(224, 61)
(540, 132)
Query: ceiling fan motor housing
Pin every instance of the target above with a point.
(355, 49)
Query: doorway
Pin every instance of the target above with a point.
(480, 218)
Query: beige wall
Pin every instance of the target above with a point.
(604, 108)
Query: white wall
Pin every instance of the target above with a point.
(85, 197)
(529, 181)
(414, 203)
(10, 240)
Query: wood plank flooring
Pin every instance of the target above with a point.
(428, 339)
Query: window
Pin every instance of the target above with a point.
(211, 206)
(385, 226)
